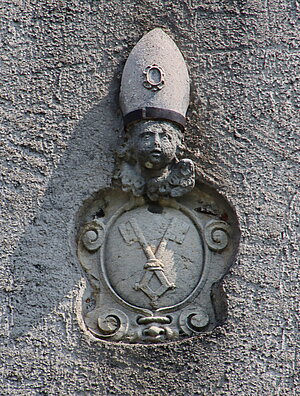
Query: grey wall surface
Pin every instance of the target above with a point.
(61, 63)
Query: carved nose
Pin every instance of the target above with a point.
(156, 141)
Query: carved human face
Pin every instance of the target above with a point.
(155, 143)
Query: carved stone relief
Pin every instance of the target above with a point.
(156, 246)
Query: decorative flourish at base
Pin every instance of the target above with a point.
(113, 324)
(193, 320)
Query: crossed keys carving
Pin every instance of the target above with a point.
(154, 266)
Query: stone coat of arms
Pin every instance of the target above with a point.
(156, 246)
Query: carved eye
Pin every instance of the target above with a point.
(167, 137)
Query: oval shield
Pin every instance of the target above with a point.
(155, 259)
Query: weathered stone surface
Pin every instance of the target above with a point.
(60, 73)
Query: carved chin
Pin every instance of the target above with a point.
(155, 162)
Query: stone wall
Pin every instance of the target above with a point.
(61, 63)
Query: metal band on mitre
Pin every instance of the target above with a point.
(155, 82)
(154, 113)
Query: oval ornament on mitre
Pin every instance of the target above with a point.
(155, 82)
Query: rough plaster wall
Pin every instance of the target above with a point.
(61, 63)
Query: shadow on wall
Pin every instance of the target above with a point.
(45, 265)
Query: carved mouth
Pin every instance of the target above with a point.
(155, 153)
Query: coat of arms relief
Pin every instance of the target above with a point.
(156, 246)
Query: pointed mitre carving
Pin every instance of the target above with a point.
(155, 81)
